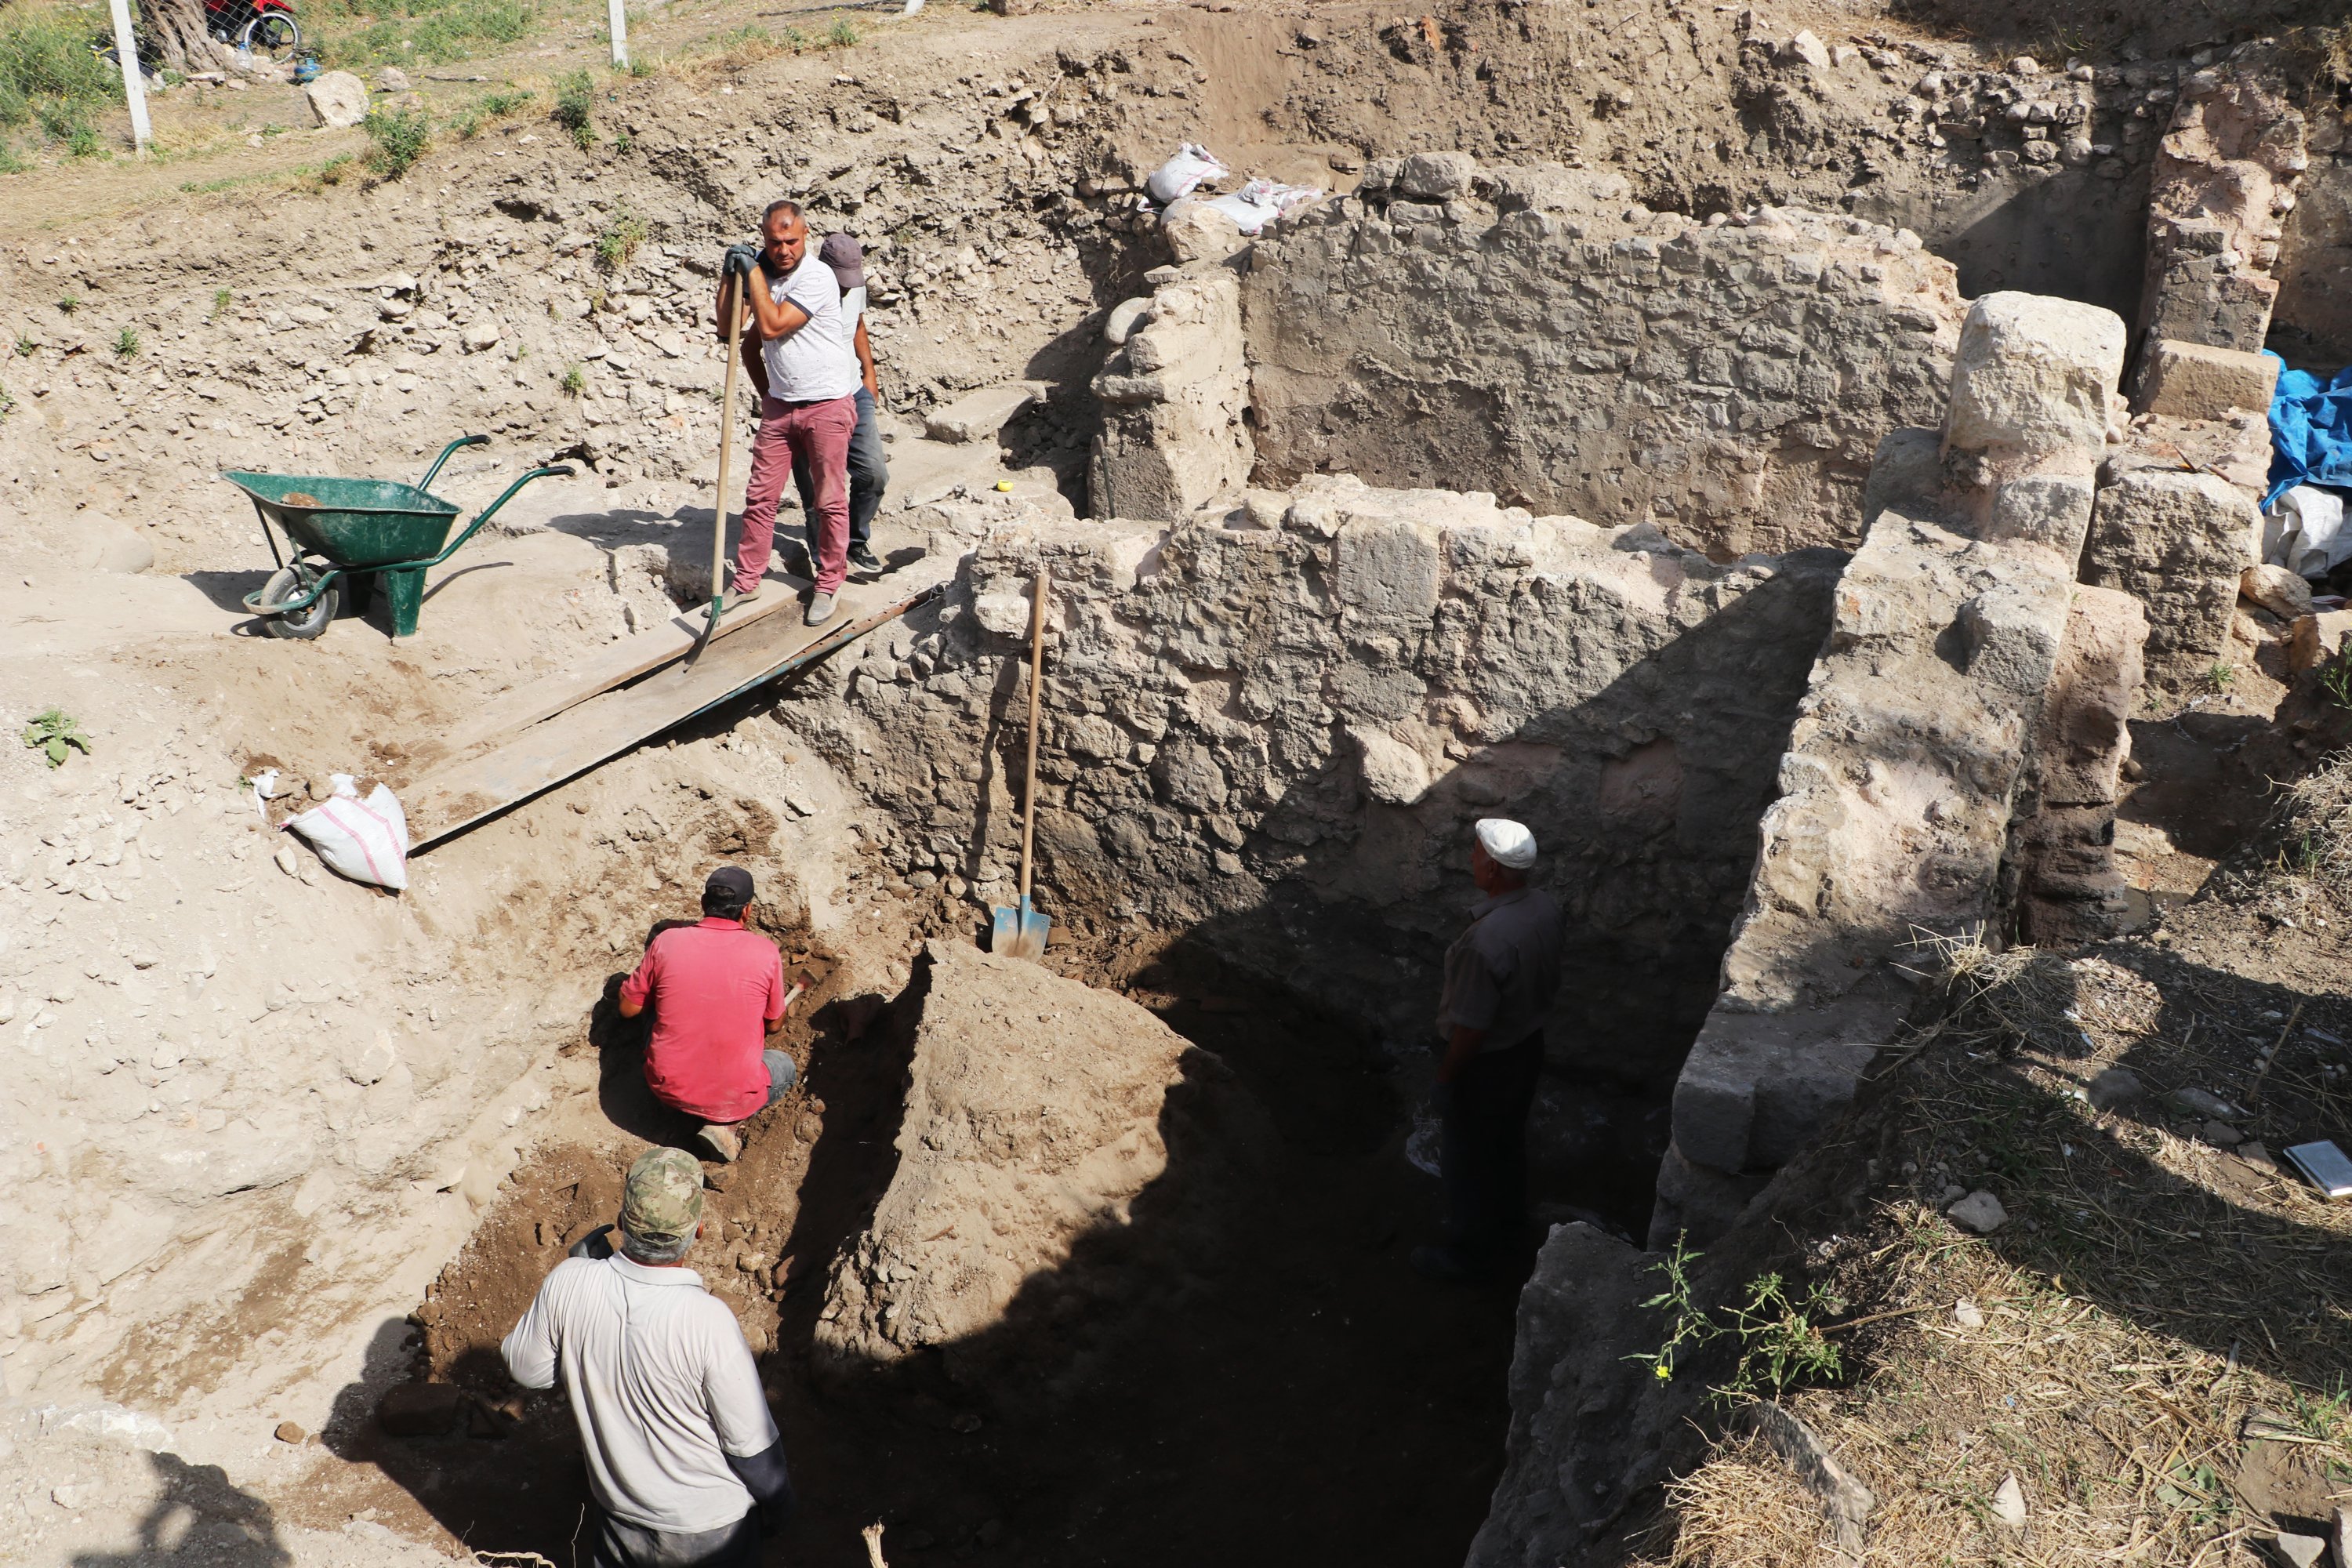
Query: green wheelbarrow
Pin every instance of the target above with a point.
(356, 533)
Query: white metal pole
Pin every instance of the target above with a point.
(620, 28)
(134, 85)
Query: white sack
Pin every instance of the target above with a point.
(1261, 202)
(2304, 532)
(1175, 180)
(365, 840)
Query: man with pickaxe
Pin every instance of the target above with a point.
(793, 303)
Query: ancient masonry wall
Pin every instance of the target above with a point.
(1275, 735)
(1903, 768)
(1523, 330)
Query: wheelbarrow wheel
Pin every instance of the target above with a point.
(305, 624)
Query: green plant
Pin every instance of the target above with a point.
(126, 344)
(8, 402)
(623, 141)
(842, 34)
(10, 163)
(221, 298)
(51, 731)
(2336, 680)
(1687, 1326)
(1780, 1345)
(68, 304)
(575, 100)
(640, 66)
(618, 244)
(575, 379)
(2220, 674)
(490, 108)
(82, 141)
(398, 138)
(428, 32)
(46, 63)
(26, 347)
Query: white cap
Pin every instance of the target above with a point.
(1508, 843)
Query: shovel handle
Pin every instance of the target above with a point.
(1036, 674)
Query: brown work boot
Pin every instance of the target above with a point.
(724, 1142)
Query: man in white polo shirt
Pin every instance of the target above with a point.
(811, 407)
(684, 1460)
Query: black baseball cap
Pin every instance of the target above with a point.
(730, 884)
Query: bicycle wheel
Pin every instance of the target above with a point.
(272, 32)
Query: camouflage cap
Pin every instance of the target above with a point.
(662, 1199)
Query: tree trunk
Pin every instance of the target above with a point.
(175, 30)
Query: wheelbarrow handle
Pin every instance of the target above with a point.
(558, 470)
(460, 441)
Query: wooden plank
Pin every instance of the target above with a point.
(616, 664)
(459, 794)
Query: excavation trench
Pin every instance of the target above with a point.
(1244, 1370)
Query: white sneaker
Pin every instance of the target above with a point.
(820, 609)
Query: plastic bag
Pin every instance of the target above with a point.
(365, 840)
(1175, 180)
(1261, 202)
(2304, 532)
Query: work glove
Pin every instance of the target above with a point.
(740, 259)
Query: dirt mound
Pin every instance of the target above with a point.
(1033, 1117)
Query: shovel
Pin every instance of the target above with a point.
(726, 451)
(1022, 932)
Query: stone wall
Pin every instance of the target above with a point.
(1174, 391)
(1275, 738)
(1511, 328)
(1903, 765)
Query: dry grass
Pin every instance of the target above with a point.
(2155, 1343)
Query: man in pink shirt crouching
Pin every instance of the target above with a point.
(717, 989)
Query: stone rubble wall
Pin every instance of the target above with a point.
(2224, 182)
(1174, 392)
(1277, 737)
(1525, 330)
(2063, 884)
(2179, 542)
(1902, 769)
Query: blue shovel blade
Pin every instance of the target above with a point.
(1019, 932)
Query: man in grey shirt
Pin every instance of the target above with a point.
(684, 1460)
(1500, 977)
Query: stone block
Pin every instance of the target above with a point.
(2032, 376)
(2275, 589)
(1386, 572)
(2179, 542)
(2205, 298)
(1195, 231)
(2053, 510)
(979, 415)
(2317, 638)
(1436, 176)
(1905, 473)
(1393, 772)
(2196, 381)
(337, 99)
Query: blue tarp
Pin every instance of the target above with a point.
(2311, 431)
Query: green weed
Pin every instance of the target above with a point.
(489, 109)
(575, 379)
(575, 101)
(68, 304)
(618, 244)
(83, 141)
(2336, 680)
(2220, 674)
(10, 163)
(221, 298)
(842, 34)
(398, 139)
(8, 402)
(126, 344)
(51, 731)
(1687, 1325)
(45, 61)
(433, 32)
(1776, 1332)
(26, 347)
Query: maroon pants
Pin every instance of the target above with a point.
(819, 432)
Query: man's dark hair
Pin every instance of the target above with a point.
(780, 207)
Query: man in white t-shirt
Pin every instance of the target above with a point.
(684, 1461)
(811, 407)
